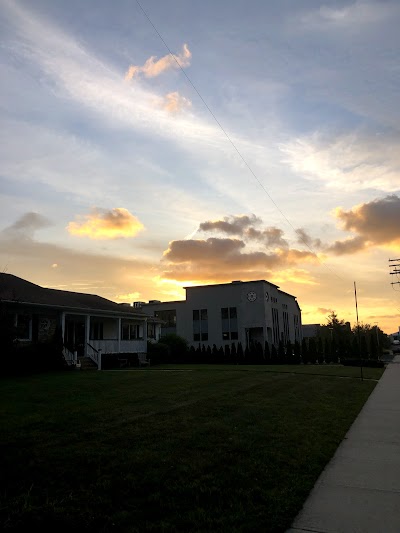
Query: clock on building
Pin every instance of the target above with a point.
(267, 296)
(251, 296)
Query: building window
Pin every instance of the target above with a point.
(23, 325)
(168, 316)
(200, 325)
(286, 335)
(96, 331)
(275, 325)
(130, 331)
(151, 331)
(296, 327)
(229, 324)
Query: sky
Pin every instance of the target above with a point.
(154, 145)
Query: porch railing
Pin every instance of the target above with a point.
(95, 355)
(70, 357)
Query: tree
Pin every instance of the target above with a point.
(297, 352)
(240, 355)
(233, 354)
(274, 355)
(267, 353)
(304, 351)
(312, 351)
(227, 358)
(281, 352)
(177, 347)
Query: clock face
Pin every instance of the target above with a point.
(251, 296)
(267, 296)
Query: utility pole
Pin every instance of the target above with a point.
(394, 264)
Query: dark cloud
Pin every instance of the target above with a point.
(234, 225)
(202, 251)
(271, 236)
(375, 223)
(347, 246)
(27, 225)
(304, 238)
(225, 259)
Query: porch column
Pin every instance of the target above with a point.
(62, 322)
(87, 334)
(145, 334)
(119, 335)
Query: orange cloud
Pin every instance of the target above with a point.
(174, 102)
(154, 67)
(224, 259)
(375, 223)
(106, 224)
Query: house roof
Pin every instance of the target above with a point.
(17, 290)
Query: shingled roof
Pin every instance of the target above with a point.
(18, 290)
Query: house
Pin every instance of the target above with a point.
(226, 313)
(90, 325)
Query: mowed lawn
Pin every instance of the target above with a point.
(201, 450)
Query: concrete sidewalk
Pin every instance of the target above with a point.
(359, 490)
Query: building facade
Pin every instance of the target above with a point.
(246, 312)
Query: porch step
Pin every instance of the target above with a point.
(87, 363)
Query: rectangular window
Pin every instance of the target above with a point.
(275, 325)
(168, 316)
(200, 325)
(130, 331)
(151, 331)
(23, 324)
(96, 331)
(229, 324)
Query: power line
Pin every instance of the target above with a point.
(232, 143)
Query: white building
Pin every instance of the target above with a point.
(241, 311)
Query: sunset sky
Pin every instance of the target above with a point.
(277, 157)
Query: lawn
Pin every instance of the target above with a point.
(202, 451)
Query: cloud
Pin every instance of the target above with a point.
(224, 259)
(154, 67)
(271, 236)
(354, 15)
(106, 224)
(83, 271)
(350, 162)
(305, 238)
(243, 225)
(27, 225)
(347, 246)
(232, 225)
(325, 311)
(376, 223)
(174, 102)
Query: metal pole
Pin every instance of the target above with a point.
(358, 330)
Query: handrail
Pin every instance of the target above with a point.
(96, 357)
(93, 348)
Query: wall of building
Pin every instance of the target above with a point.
(256, 304)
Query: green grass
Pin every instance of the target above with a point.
(199, 451)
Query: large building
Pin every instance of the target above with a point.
(240, 311)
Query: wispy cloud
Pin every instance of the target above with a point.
(349, 162)
(349, 17)
(106, 224)
(154, 67)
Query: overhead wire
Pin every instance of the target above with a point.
(234, 145)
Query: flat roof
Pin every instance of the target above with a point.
(238, 282)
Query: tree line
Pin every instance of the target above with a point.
(334, 342)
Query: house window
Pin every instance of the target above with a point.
(23, 325)
(229, 323)
(200, 325)
(168, 316)
(130, 331)
(96, 331)
(151, 331)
